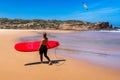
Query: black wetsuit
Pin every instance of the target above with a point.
(43, 50)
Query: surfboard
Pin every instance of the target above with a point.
(34, 45)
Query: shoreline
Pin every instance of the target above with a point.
(59, 31)
(12, 64)
(53, 31)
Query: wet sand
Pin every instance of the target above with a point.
(25, 66)
(98, 47)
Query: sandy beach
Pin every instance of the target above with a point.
(16, 65)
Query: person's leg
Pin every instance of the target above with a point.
(41, 55)
(45, 54)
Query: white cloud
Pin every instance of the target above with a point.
(100, 14)
(108, 10)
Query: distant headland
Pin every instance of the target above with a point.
(78, 25)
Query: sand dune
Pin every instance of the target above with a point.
(15, 65)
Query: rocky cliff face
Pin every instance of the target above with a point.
(103, 25)
(6, 23)
(87, 26)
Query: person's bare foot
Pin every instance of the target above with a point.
(50, 63)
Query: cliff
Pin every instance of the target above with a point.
(6, 23)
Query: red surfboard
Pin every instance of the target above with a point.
(34, 46)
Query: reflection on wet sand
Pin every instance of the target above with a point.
(83, 52)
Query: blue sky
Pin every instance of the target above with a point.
(99, 10)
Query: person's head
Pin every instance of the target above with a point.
(44, 35)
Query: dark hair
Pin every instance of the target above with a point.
(44, 35)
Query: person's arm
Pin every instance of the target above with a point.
(47, 43)
(41, 42)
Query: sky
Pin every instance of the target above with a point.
(98, 10)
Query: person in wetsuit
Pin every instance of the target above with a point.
(43, 49)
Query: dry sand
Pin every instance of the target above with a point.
(12, 64)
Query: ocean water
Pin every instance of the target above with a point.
(97, 47)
